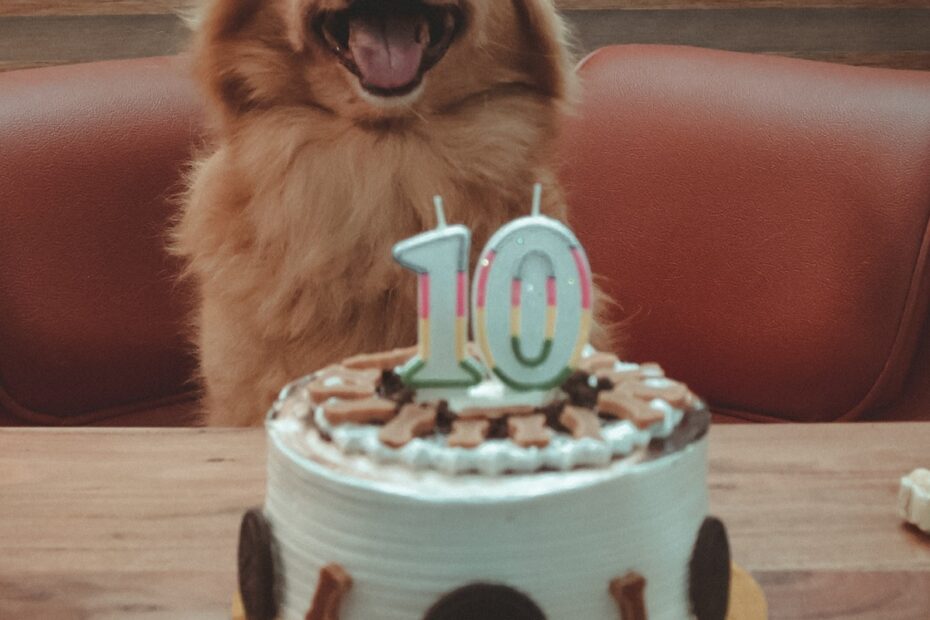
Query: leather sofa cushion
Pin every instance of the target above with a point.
(761, 221)
(91, 316)
(764, 222)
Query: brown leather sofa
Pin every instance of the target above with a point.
(762, 223)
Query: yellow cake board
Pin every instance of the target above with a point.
(238, 613)
(747, 602)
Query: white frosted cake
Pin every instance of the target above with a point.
(526, 477)
(583, 502)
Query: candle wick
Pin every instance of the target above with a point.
(440, 213)
(537, 198)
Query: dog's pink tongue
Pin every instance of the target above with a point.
(387, 50)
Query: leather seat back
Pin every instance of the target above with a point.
(762, 222)
(91, 315)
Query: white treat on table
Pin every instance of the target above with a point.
(914, 498)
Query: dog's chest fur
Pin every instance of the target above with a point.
(314, 217)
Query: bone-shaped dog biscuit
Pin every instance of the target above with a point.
(468, 433)
(331, 587)
(675, 393)
(630, 372)
(493, 413)
(581, 422)
(359, 411)
(620, 403)
(629, 593)
(530, 430)
(343, 383)
(381, 361)
(599, 361)
(414, 420)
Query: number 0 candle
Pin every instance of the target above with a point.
(532, 301)
(440, 259)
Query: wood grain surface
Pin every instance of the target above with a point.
(867, 32)
(120, 523)
(96, 7)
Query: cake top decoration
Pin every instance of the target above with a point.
(606, 411)
(528, 394)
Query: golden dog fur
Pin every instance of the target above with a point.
(289, 220)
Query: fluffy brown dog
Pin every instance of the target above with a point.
(335, 122)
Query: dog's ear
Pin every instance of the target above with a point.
(222, 23)
(547, 57)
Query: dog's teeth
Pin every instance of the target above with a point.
(423, 33)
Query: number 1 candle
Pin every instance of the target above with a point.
(440, 259)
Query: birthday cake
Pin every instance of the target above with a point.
(521, 477)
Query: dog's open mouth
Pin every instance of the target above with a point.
(389, 45)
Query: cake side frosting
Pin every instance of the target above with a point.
(537, 519)
(408, 537)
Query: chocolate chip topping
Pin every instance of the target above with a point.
(498, 429)
(444, 417)
(553, 412)
(390, 385)
(256, 566)
(580, 391)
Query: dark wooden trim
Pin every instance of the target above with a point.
(790, 31)
(95, 7)
(915, 60)
(621, 5)
(37, 41)
(891, 37)
(162, 7)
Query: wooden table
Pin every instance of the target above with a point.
(129, 523)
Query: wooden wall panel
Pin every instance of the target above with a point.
(61, 39)
(870, 32)
(588, 5)
(94, 7)
(897, 37)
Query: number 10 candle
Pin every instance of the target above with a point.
(531, 305)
